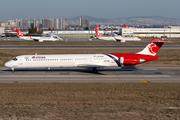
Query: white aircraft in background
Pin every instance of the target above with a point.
(51, 37)
(124, 39)
(114, 37)
(99, 36)
(93, 61)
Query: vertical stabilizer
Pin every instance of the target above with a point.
(153, 47)
(19, 34)
(96, 31)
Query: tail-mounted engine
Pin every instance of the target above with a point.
(127, 61)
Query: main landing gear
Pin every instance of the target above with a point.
(95, 70)
(12, 69)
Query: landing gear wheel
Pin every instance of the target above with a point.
(12, 69)
(95, 70)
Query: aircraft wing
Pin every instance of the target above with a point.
(35, 39)
(113, 34)
(92, 66)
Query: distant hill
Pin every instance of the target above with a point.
(139, 20)
(90, 19)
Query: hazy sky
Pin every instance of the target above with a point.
(26, 9)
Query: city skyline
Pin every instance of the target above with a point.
(20, 9)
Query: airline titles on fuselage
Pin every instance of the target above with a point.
(44, 58)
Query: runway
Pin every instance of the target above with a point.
(81, 75)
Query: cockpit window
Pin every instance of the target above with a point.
(15, 59)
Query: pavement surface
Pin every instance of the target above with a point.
(82, 75)
(15, 39)
(83, 47)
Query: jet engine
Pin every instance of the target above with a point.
(40, 40)
(128, 61)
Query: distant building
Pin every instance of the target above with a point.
(11, 23)
(87, 23)
(38, 23)
(57, 23)
(41, 23)
(46, 23)
(83, 22)
(1, 30)
(2, 24)
(168, 32)
(80, 22)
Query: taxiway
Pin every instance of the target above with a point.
(82, 75)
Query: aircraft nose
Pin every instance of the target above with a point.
(8, 64)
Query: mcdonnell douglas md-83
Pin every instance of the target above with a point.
(93, 61)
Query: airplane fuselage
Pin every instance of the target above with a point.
(77, 60)
(26, 38)
(42, 39)
(108, 38)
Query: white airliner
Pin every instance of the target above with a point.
(124, 39)
(93, 61)
(114, 37)
(51, 37)
(99, 36)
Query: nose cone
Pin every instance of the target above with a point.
(8, 64)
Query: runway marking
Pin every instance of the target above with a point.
(80, 76)
(144, 81)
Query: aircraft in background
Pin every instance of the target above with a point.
(51, 37)
(114, 37)
(124, 39)
(21, 36)
(99, 36)
(93, 61)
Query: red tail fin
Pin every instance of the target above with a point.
(97, 33)
(153, 47)
(19, 33)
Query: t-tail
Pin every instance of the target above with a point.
(19, 34)
(153, 47)
(96, 31)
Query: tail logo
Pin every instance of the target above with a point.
(153, 48)
(20, 34)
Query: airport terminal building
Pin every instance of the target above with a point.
(170, 31)
(167, 32)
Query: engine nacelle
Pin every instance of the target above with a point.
(40, 40)
(127, 61)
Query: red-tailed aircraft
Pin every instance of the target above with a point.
(51, 37)
(93, 61)
(114, 37)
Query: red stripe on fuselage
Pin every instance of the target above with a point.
(141, 56)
